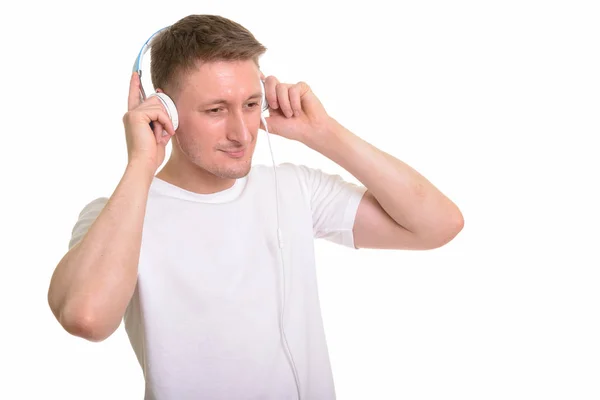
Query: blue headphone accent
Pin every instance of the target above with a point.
(137, 66)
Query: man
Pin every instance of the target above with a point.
(190, 256)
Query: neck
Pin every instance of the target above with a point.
(190, 177)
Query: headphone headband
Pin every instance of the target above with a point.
(137, 65)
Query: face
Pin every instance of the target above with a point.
(219, 107)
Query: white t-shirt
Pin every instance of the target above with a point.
(204, 318)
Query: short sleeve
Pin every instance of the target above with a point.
(86, 218)
(334, 203)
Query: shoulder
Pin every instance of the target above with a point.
(306, 177)
(293, 179)
(86, 218)
(94, 205)
(92, 208)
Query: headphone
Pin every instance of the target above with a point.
(169, 105)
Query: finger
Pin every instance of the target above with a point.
(283, 98)
(159, 119)
(134, 92)
(271, 93)
(164, 138)
(295, 94)
(154, 103)
(158, 130)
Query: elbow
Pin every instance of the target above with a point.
(84, 323)
(446, 230)
(455, 224)
(452, 227)
(87, 328)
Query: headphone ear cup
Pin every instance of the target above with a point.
(170, 107)
(264, 121)
(264, 104)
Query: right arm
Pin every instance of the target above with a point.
(93, 283)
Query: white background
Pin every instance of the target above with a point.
(495, 102)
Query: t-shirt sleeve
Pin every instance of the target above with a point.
(86, 218)
(334, 203)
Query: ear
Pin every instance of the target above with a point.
(159, 90)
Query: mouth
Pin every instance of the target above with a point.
(235, 154)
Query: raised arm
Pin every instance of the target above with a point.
(92, 284)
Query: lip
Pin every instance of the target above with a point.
(235, 154)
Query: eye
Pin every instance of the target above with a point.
(214, 110)
(253, 105)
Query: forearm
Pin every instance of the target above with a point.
(406, 196)
(93, 283)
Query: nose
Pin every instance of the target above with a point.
(237, 129)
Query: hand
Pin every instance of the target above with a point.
(144, 144)
(295, 112)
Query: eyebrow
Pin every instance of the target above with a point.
(222, 101)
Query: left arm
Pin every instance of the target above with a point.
(401, 209)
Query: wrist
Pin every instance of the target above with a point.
(143, 169)
(328, 137)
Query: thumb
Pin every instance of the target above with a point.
(271, 124)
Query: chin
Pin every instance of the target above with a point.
(233, 171)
